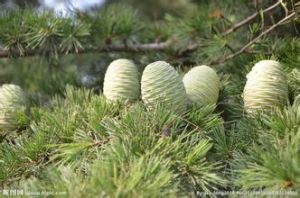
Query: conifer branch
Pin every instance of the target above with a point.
(249, 44)
(151, 47)
(250, 19)
(138, 48)
(97, 143)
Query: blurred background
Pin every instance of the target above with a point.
(198, 20)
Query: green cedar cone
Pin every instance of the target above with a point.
(12, 100)
(266, 87)
(202, 85)
(121, 81)
(162, 84)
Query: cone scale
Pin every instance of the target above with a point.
(12, 99)
(121, 81)
(202, 85)
(162, 84)
(266, 87)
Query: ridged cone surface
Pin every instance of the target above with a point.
(12, 99)
(121, 81)
(202, 85)
(162, 84)
(266, 87)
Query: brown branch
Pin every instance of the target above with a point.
(196, 127)
(250, 19)
(161, 46)
(286, 11)
(98, 143)
(243, 49)
(267, 53)
(235, 27)
(108, 48)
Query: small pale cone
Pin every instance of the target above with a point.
(162, 84)
(266, 87)
(202, 85)
(12, 99)
(121, 81)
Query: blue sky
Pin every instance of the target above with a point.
(63, 5)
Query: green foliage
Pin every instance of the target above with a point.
(39, 79)
(103, 145)
(62, 181)
(188, 24)
(272, 162)
(288, 52)
(230, 100)
(73, 141)
(130, 177)
(82, 140)
(114, 21)
(48, 33)
(57, 125)
(294, 83)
